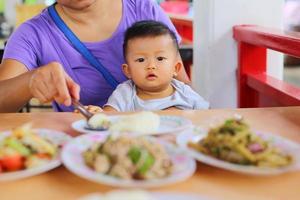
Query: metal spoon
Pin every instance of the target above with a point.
(77, 105)
(87, 114)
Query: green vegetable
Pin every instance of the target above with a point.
(134, 154)
(229, 122)
(149, 161)
(215, 151)
(18, 146)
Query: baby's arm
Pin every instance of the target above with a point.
(108, 108)
(91, 108)
(172, 108)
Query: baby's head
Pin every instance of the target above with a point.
(151, 53)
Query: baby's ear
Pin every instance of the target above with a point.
(126, 70)
(178, 67)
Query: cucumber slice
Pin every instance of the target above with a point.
(18, 146)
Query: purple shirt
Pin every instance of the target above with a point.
(38, 42)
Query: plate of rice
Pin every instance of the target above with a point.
(144, 123)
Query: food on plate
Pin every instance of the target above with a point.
(99, 121)
(129, 158)
(24, 149)
(142, 122)
(234, 142)
(121, 194)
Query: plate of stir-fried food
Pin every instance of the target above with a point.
(26, 152)
(234, 146)
(127, 161)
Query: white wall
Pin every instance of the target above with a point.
(215, 51)
(10, 10)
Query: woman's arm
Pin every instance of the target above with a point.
(14, 90)
(47, 83)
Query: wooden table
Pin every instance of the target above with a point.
(209, 181)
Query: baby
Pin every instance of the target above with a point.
(152, 62)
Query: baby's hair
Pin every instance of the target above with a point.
(148, 28)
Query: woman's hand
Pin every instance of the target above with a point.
(51, 82)
(92, 109)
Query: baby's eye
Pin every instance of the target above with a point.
(161, 58)
(140, 60)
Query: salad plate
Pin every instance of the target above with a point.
(57, 138)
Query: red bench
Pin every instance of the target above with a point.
(255, 87)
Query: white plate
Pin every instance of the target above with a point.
(281, 142)
(154, 195)
(56, 137)
(177, 196)
(184, 166)
(168, 124)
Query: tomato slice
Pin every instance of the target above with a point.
(43, 156)
(12, 162)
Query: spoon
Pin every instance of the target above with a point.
(87, 114)
(77, 105)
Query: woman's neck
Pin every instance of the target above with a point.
(95, 22)
(85, 15)
(162, 93)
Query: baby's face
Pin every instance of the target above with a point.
(151, 62)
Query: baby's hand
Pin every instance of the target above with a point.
(92, 109)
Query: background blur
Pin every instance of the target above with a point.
(182, 14)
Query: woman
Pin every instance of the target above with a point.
(40, 62)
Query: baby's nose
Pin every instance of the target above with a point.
(151, 65)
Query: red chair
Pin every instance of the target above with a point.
(255, 87)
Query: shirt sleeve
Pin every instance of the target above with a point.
(198, 102)
(189, 95)
(121, 98)
(150, 10)
(22, 46)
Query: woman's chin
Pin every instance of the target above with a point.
(80, 5)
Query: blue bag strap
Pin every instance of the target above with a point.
(81, 48)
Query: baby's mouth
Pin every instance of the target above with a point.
(151, 76)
